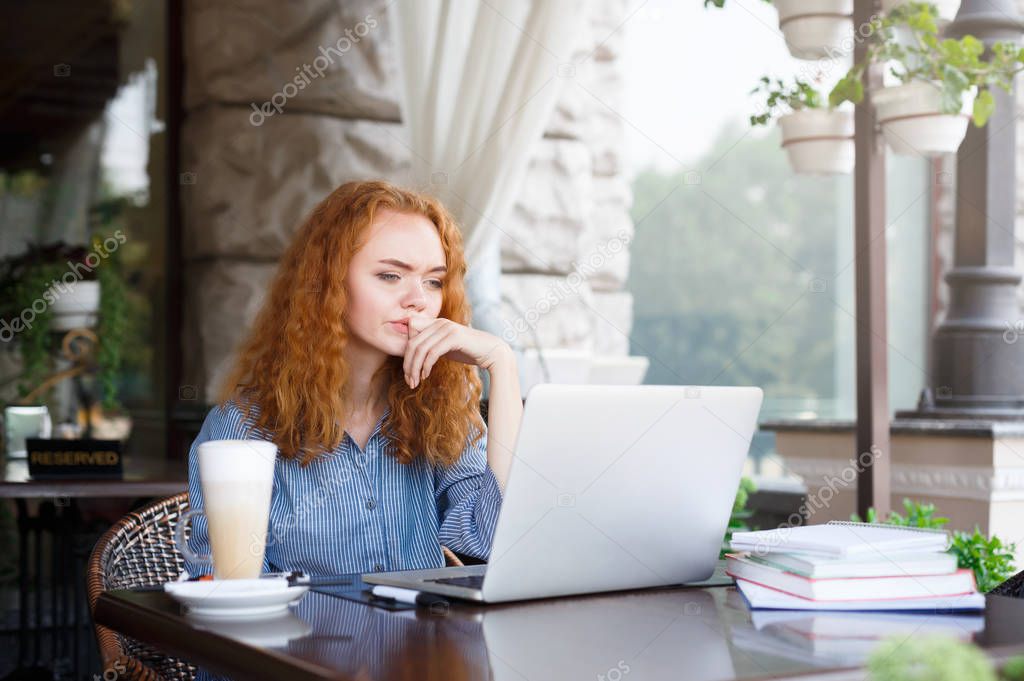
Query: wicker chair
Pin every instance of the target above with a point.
(139, 550)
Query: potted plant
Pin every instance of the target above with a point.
(812, 28)
(56, 287)
(817, 138)
(941, 83)
(947, 8)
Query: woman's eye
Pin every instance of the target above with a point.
(391, 276)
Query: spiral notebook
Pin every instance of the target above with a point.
(842, 539)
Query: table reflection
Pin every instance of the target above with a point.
(842, 639)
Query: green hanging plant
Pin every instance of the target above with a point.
(955, 66)
(28, 288)
(29, 285)
(111, 330)
(796, 96)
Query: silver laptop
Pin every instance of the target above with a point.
(611, 487)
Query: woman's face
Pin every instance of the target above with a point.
(397, 274)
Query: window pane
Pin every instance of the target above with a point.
(742, 271)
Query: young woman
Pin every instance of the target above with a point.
(362, 369)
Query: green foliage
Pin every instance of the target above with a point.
(929, 658)
(1013, 669)
(740, 513)
(22, 183)
(111, 330)
(955, 66)
(23, 283)
(918, 515)
(989, 558)
(28, 288)
(937, 658)
(799, 95)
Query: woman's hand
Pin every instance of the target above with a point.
(432, 339)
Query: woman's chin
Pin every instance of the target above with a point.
(396, 347)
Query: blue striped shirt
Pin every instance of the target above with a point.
(355, 511)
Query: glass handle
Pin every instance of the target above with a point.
(182, 544)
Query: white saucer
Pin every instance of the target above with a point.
(236, 598)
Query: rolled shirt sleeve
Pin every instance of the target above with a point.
(468, 501)
(222, 423)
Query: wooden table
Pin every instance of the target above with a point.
(698, 634)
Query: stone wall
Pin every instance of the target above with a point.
(250, 177)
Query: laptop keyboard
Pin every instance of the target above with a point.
(470, 582)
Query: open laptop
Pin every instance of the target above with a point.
(611, 487)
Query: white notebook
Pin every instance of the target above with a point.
(894, 563)
(839, 539)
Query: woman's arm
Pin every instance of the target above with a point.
(431, 340)
(504, 412)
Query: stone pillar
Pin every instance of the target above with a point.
(565, 252)
(259, 151)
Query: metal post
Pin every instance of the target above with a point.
(870, 250)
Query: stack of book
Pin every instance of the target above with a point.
(850, 566)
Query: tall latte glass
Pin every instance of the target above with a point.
(236, 477)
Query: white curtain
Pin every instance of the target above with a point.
(479, 80)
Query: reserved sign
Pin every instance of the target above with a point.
(56, 458)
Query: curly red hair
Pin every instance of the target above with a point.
(290, 376)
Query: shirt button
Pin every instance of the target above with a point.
(370, 503)
(378, 568)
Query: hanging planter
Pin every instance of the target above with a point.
(913, 121)
(947, 8)
(77, 307)
(815, 28)
(38, 298)
(817, 139)
(942, 83)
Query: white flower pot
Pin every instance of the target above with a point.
(819, 141)
(77, 307)
(816, 28)
(947, 8)
(912, 120)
